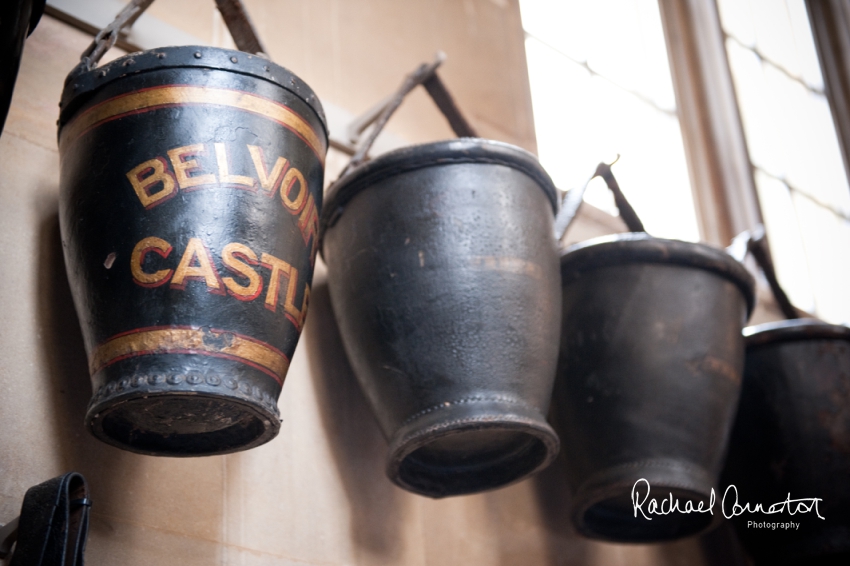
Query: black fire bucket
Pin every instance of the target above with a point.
(791, 439)
(443, 274)
(191, 190)
(648, 380)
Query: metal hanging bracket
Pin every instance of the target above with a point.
(755, 242)
(107, 37)
(232, 12)
(574, 198)
(425, 75)
(240, 27)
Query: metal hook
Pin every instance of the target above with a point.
(232, 12)
(106, 38)
(574, 198)
(425, 75)
(755, 242)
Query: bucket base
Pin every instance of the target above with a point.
(468, 446)
(604, 508)
(183, 405)
(182, 425)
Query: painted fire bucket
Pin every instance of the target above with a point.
(791, 439)
(191, 189)
(648, 380)
(443, 275)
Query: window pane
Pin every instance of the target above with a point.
(805, 43)
(774, 34)
(827, 242)
(620, 39)
(786, 242)
(624, 106)
(736, 17)
(802, 184)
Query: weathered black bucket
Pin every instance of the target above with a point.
(191, 190)
(648, 379)
(443, 275)
(792, 439)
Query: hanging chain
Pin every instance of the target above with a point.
(107, 37)
(232, 11)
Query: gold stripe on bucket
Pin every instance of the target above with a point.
(181, 95)
(188, 340)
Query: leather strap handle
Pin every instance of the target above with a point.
(755, 242)
(573, 199)
(425, 75)
(54, 522)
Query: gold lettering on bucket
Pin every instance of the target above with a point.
(239, 259)
(187, 173)
(149, 174)
(137, 260)
(197, 264)
(184, 167)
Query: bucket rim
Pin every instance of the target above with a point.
(98, 412)
(640, 247)
(618, 480)
(793, 330)
(421, 156)
(81, 84)
(473, 415)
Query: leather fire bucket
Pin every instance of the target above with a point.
(792, 439)
(443, 275)
(191, 189)
(648, 380)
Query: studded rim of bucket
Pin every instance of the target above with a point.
(245, 425)
(83, 84)
(631, 247)
(447, 152)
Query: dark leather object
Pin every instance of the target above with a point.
(443, 274)
(194, 366)
(54, 523)
(648, 377)
(18, 19)
(792, 436)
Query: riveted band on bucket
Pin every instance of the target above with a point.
(187, 340)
